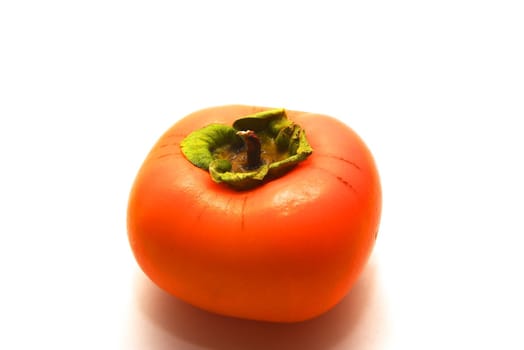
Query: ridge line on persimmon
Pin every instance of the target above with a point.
(338, 177)
(339, 158)
(242, 213)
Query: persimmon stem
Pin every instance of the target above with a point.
(253, 148)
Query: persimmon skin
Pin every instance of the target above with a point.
(286, 251)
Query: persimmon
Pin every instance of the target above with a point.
(257, 213)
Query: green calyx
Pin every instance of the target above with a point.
(257, 148)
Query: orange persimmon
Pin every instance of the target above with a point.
(286, 248)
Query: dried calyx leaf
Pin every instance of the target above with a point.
(224, 150)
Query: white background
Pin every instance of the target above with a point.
(436, 89)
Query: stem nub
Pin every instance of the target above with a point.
(253, 148)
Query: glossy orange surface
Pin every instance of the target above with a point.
(286, 251)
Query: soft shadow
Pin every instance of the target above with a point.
(212, 331)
